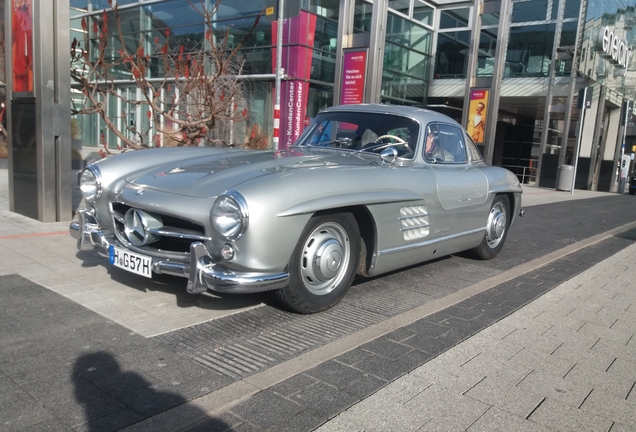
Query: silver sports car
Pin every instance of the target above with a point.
(365, 190)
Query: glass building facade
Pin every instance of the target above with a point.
(421, 53)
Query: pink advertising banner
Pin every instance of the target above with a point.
(298, 39)
(22, 45)
(353, 76)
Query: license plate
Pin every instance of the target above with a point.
(131, 261)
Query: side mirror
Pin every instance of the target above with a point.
(388, 155)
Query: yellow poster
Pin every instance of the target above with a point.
(477, 114)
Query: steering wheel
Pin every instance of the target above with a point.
(381, 146)
(397, 138)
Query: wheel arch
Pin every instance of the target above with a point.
(514, 199)
(367, 228)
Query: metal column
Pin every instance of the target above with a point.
(40, 131)
(548, 100)
(345, 30)
(471, 67)
(373, 85)
(492, 116)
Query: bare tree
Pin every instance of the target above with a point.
(199, 94)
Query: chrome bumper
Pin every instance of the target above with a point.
(201, 271)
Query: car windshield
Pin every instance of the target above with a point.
(362, 132)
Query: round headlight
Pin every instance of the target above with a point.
(229, 215)
(90, 184)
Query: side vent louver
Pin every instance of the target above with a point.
(414, 222)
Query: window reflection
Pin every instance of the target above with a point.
(572, 8)
(454, 18)
(530, 50)
(528, 11)
(362, 17)
(406, 61)
(323, 8)
(423, 13)
(452, 54)
(401, 6)
(79, 4)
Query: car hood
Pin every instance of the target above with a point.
(209, 176)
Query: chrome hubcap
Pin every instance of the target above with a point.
(496, 225)
(325, 257)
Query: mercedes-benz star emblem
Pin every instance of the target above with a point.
(136, 227)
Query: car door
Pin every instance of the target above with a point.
(459, 184)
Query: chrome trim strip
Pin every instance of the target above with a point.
(429, 242)
(415, 227)
(179, 233)
(415, 216)
(203, 274)
(118, 217)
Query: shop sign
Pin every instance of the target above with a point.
(617, 50)
(477, 109)
(354, 75)
(298, 40)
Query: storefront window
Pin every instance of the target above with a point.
(530, 49)
(487, 49)
(423, 13)
(326, 36)
(320, 97)
(173, 14)
(401, 6)
(79, 4)
(322, 8)
(572, 8)
(103, 4)
(406, 61)
(452, 54)
(529, 11)
(362, 17)
(454, 18)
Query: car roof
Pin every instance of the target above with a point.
(424, 115)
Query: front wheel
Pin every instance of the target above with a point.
(496, 229)
(323, 264)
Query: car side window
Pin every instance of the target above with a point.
(473, 151)
(452, 139)
(444, 144)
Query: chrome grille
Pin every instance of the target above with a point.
(176, 234)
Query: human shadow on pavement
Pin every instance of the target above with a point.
(113, 399)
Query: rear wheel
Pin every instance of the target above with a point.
(323, 264)
(496, 229)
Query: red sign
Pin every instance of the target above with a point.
(297, 56)
(22, 45)
(353, 77)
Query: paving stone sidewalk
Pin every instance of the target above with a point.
(566, 361)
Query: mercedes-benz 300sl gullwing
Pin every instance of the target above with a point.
(365, 190)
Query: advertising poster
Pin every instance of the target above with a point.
(477, 114)
(22, 45)
(353, 76)
(299, 33)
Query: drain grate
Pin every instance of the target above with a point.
(241, 345)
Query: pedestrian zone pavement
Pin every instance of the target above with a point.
(566, 362)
